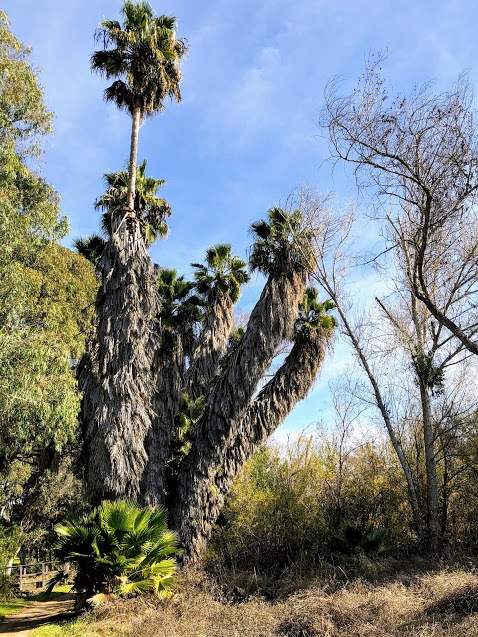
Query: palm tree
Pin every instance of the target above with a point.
(142, 56)
(219, 281)
(117, 375)
(232, 387)
(90, 247)
(150, 210)
(181, 309)
(118, 549)
(180, 315)
(222, 274)
(284, 236)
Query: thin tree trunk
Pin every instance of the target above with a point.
(274, 402)
(430, 466)
(270, 323)
(407, 472)
(133, 158)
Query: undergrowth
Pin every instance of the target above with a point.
(416, 601)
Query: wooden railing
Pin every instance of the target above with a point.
(36, 575)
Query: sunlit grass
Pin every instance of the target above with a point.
(10, 606)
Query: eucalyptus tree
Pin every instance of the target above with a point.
(43, 290)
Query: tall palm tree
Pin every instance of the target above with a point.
(282, 248)
(219, 281)
(150, 210)
(142, 56)
(117, 375)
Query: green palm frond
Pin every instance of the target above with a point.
(119, 548)
(222, 274)
(150, 209)
(282, 240)
(143, 55)
(313, 315)
(181, 309)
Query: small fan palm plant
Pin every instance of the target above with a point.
(118, 549)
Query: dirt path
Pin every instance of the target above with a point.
(27, 619)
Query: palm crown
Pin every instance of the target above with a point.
(313, 315)
(91, 247)
(144, 57)
(180, 308)
(150, 209)
(282, 239)
(222, 273)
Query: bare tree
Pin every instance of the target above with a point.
(407, 357)
(420, 152)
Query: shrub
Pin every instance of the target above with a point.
(118, 549)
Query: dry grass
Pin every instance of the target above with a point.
(431, 604)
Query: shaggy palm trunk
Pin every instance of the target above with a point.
(133, 158)
(169, 378)
(274, 402)
(270, 323)
(117, 377)
(212, 344)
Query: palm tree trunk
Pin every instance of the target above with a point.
(270, 323)
(169, 372)
(274, 402)
(211, 346)
(117, 377)
(133, 158)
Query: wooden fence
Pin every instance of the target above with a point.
(36, 576)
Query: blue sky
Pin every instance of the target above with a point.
(245, 133)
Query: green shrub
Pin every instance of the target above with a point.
(118, 549)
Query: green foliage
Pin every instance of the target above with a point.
(272, 518)
(313, 314)
(284, 238)
(432, 375)
(189, 414)
(142, 55)
(150, 209)
(119, 549)
(222, 274)
(368, 540)
(10, 539)
(44, 289)
(90, 247)
(23, 115)
(180, 308)
(297, 505)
